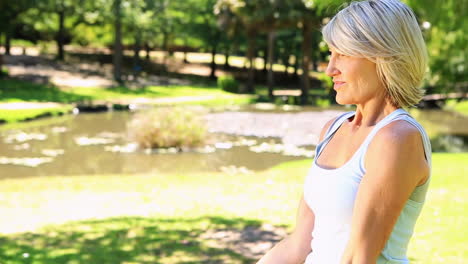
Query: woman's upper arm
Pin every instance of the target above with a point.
(395, 164)
(302, 234)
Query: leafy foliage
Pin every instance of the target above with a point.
(231, 26)
(228, 84)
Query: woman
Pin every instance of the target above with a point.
(371, 171)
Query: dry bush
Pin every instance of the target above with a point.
(167, 127)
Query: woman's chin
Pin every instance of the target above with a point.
(342, 101)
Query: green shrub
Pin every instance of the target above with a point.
(4, 72)
(167, 127)
(228, 84)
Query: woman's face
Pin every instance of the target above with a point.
(355, 79)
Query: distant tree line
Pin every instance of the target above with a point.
(286, 32)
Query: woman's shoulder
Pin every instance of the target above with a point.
(397, 132)
(399, 144)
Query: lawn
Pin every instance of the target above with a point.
(460, 107)
(12, 90)
(15, 115)
(159, 218)
(174, 95)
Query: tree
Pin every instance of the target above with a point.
(118, 52)
(270, 16)
(445, 30)
(9, 13)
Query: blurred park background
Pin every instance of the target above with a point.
(180, 131)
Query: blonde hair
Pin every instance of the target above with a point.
(387, 33)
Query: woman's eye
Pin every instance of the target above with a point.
(342, 55)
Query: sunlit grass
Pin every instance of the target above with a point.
(168, 95)
(177, 205)
(149, 91)
(15, 115)
(439, 236)
(12, 90)
(460, 107)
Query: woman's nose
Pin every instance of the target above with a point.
(331, 69)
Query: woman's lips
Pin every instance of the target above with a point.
(338, 85)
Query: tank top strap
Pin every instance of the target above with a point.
(331, 130)
(337, 123)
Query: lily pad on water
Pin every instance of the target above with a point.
(109, 135)
(162, 151)
(288, 150)
(29, 162)
(87, 141)
(245, 142)
(232, 170)
(52, 152)
(22, 146)
(129, 148)
(22, 137)
(205, 150)
(57, 130)
(223, 145)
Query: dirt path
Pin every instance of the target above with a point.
(43, 69)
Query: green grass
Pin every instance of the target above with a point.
(174, 95)
(12, 90)
(158, 217)
(16, 115)
(460, 107)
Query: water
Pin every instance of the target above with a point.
(88, 144)
(57, 144)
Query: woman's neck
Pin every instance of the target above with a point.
(372, 112)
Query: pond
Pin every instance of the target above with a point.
(247, 139)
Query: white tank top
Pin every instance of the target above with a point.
(330, 193)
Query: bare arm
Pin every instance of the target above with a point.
(295, 247)
(395, 165)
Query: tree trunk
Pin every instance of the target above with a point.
(148, 50)
(185, 51)
(7, 41)
(164, 46)
(296, 64)
(297, 53)
(226, 58)
(136, 55)
(306, 50)
(271, 50)
(117, 56)
(286, 63)
(213, 61)
(250, 57)
(316, 53)
(1, 66)
(185, 56)
(265, 56)
(60, 35)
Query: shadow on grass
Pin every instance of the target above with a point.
(140, 240)
(11, 89)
